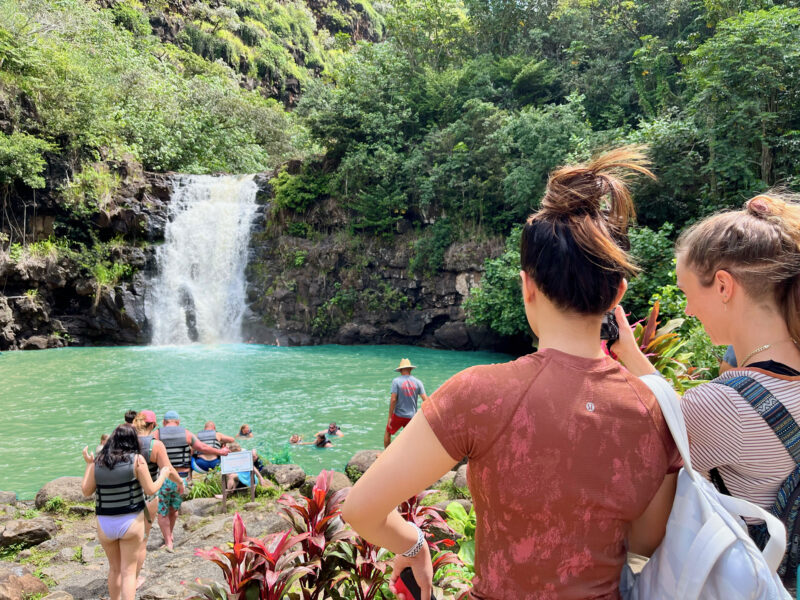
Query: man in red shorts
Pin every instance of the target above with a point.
(403, 404)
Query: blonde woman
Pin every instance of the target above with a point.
(740, 272)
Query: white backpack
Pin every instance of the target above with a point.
(706, 553)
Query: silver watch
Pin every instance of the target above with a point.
(414, 550)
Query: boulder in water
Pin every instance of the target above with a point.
(66, 488)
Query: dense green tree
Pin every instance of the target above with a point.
(746, 95)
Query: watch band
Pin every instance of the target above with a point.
(414, 550)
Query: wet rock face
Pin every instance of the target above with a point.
(51, 300)
(345, 290)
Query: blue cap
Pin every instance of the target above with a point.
(171, 415)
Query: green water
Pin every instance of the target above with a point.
(54, 402)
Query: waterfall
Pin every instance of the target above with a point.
(198, 294)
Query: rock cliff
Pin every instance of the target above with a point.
(334, 288)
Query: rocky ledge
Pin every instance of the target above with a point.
(51, 552)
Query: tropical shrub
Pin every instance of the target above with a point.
(319, 517)
(667, 351)
(253, 569)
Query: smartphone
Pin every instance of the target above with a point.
(407, 586)
(609, 329)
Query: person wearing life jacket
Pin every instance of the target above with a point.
(155, 455)
(202, 461)
(120, 476)
(179, 443)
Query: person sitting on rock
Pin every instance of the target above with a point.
(245, 432)
(120, 476)
(155, 454)
(179, 443)
(203, 462)
(234, 480)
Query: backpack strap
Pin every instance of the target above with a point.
(771, 410)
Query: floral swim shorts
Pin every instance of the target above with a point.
(168, 498)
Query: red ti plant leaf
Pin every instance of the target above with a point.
(239, 567)
(650, 326)
(320, 517)
(426, 518)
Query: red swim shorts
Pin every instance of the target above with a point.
(396, 423)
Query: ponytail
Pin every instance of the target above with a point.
(575, 246)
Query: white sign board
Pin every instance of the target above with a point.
(237, 462)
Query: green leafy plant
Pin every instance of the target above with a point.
(208, 486)
(667, 351)
(56, 504)
(464, 524)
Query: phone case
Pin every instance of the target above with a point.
(407, 585)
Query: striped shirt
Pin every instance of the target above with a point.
(727, 433)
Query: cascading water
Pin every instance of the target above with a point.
(198, 294)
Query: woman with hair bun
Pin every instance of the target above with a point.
(740, 272)
(570, 459)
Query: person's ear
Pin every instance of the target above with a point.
(528, 287)
(724, 284)
(623, 287)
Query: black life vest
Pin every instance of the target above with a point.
(178, 451)
(209, 436)
(118, 490)
(145, 449)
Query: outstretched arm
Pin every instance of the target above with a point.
(370, 507)
(202, 448)
(225, 439)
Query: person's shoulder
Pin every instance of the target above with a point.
(499, 375)
(713, 398)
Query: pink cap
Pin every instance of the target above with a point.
(149, 416)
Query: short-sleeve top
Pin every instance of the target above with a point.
(726, 433)
(564, 453)
(408, 389)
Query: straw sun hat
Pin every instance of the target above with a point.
(405, 364)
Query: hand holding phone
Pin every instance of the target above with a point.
(407, 585)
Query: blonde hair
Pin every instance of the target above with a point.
(140, 425)
(759, 246)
